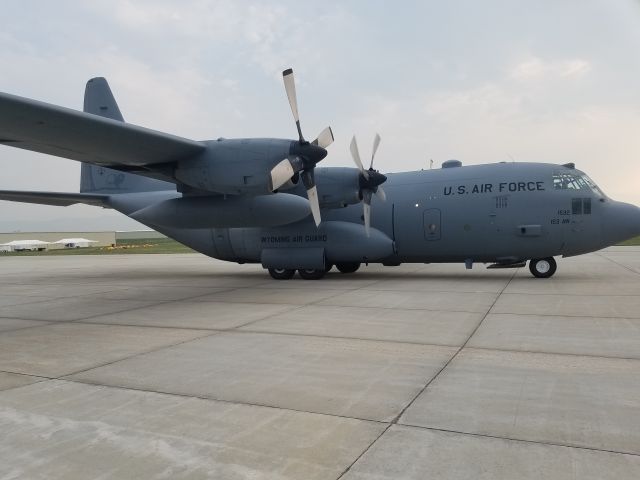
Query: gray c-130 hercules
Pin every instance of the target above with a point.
(265, 200)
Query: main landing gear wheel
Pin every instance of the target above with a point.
(311, 273)
(542, 267)
(348, 267)
(281, 273)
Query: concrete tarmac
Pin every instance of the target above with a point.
(180, 366)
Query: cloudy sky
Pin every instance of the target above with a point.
(498, 80)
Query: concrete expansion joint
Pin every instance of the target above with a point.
(39, 377)
(41, 323)
(296, 307)
(213, 399)
(311, 335)
(522, 440)
(139, 354)
(132, 309)
(134, 325)
(552, 294)
(632, 270)
(564, 314)
(350, 466)
(560, 354)
(44, 377)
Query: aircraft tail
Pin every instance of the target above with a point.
(98, 100)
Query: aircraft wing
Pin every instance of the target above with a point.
(54, 198)
(63, 132)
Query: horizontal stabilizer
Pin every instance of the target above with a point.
(59, 131)
(55, 198)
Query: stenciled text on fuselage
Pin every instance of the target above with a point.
(536, 186)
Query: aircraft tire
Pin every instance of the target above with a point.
(542, 267)
(311, 274)
(281, 273)
(350, 267)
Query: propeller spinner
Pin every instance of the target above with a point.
(303, 155)
(370, 180)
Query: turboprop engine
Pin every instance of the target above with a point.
(244, 166)
(259, 165)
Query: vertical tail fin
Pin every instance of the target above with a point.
(98, 100)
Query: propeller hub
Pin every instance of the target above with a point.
(375, 179)
(310, 153)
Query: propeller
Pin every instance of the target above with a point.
(370, 180)
(303, 155)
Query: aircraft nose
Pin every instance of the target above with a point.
(621, 222)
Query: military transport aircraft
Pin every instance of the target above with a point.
(264, 200)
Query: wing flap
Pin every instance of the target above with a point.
(55, 198)
(63, 132)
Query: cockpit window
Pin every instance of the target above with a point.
(571, 181)
(567, 181)
(593, 186)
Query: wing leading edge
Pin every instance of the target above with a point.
(60, 199)
(63, 132)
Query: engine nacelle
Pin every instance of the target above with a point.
(234, 167)
(337, 186)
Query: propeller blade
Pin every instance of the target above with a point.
(325, 138)
(355, 154)
(376, 142)
(366, 205)
(312, 194)
(380, 193)
(290, 88)
(281, 174)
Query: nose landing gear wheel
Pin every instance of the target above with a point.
(281, 273)
(347, 267)
(542, 267)
(311, 274)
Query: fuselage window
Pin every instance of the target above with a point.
(586, 206)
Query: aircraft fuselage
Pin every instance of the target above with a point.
(499, 213)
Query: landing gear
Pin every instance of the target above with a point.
(348, 267)
(281, 273)
(542, 267)
(311, 273)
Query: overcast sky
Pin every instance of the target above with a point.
(549, 81)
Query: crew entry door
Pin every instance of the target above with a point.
(431, 223)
